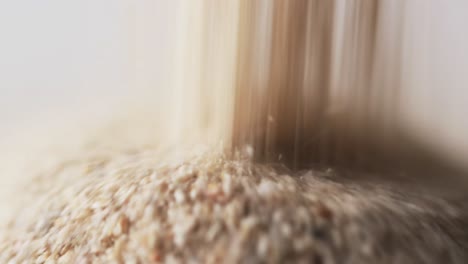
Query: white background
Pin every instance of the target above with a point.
(57, 55)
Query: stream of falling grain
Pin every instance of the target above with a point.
(301, 82)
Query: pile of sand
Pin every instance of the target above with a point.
(146, 206)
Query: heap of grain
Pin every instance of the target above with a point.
(147, 207)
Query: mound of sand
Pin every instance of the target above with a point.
(145, 206)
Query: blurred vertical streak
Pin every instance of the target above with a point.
(314, 141)
(271, 115)
(324, 83)
(318, 104)
(253, 50)
(204, 71)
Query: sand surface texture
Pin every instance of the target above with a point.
(148, 206)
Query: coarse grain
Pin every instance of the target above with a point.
(146, 207)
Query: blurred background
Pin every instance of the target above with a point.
(68, 66)
(58, 55)
(65, 61)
